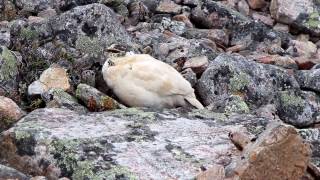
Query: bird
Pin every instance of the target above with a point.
(139, 80)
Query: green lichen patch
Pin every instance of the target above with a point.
(134, 114)
(207, 114)
(108, 103)
(72, 158)
(239, 81)
(237, 105)
(63, 95)
(86, 170)
(22, 135)
(179, 154)
(139, 132)
(28, 33)
(8, 66)
(313, 21)
(91, 46)
(291, 100)
(65, 153)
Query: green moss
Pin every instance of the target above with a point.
(87, 45)
(289, 100)
(28, 33)
(9, 67)
(239, 81)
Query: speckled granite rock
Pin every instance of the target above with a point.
(309, 79)
(128, 143)
(257, 85)
(76, 39)
(10, 173)
(8, 73)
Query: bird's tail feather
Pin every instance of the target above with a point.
(194, 102)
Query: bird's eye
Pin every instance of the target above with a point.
(111, 63)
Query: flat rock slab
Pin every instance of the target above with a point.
(127, 143)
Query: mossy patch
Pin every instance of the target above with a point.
(239, 81)
(8, 66)
(88, 45)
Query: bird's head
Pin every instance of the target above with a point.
(105, 67)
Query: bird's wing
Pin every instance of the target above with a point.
(158, 77)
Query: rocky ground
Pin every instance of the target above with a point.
(255, 65)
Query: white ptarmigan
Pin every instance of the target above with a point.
(140, 80)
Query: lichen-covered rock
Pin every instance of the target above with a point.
(95, 100)
(5, 34)
(58, 98)
(302, 14)
(212, 14)
(217, 35)
(235, 75)
(278, 153)
(27, 7)
(257, 85)
(299, 108)
(243, 30)
(175, 48)
(128, 143)
(9, 113)
(76, 39)
(8, 73)
(10, 173)
(309, 79)
(312, 136)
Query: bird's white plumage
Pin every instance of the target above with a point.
(140, 80)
